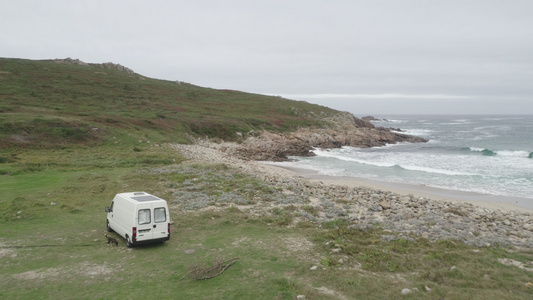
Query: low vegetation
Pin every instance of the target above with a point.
(51, 104)
(65, 154)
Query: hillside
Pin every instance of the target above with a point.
(63, 102)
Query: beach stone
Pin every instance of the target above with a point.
(384, 205)
(405, 199)
(375, 208)
(406, 291)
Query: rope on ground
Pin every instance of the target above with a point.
(42, 246)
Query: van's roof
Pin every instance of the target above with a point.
(141, 196)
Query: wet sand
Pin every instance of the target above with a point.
(478, 199)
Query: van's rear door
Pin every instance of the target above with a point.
(144, 221)
(152, 218)
(160, 227)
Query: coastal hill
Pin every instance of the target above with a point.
(66, 102)
(73, 135)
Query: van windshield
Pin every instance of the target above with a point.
(144, 216)
(160, 215)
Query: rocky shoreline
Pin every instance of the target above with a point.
(404, 216)
(341, 129)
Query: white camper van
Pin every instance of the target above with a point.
(139, 217)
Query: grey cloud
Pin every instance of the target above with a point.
(477, 49)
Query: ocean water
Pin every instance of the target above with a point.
(484, 154)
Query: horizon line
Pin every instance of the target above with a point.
(376, 96)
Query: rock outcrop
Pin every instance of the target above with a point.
(372, 118)
(70, 61)
(107, 65)
(344, 129)
(110, 65)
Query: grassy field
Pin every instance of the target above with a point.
(58, 173)
(53, 222)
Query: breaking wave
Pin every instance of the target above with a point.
(389, 164)
(435, 171)
(484, 151)
(512, 153)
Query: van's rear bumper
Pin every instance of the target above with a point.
(151, 241)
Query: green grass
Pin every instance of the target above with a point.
(149, 270)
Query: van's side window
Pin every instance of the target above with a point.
(160, 215)
(144, 216)
(111, 208)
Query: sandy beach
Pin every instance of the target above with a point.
(482, 200)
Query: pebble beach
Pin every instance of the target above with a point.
(406, 211)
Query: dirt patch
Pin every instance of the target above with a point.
(84, 269)
(93, 270)
(21, 138)
(297, 244)
(7, 253)
(300, 247)
(38, 274)
(239, 241)
(324, 290)
(4, 252)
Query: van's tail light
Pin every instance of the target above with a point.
(168, 229)
(134, 234)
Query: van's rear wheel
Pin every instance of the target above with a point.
(108, 227)
(128, 242)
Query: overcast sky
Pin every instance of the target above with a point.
(367, 57)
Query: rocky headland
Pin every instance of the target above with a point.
(342, 129)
